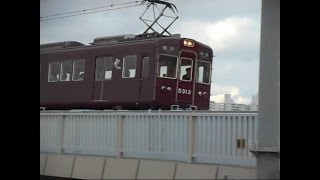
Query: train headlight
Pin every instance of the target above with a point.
(205, 94)
(169, 88)
(163, 88)
(188, 43)
(200, 93)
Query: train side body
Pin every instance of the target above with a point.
(143, 89)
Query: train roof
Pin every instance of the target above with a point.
(107, 40)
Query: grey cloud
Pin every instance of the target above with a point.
(241, 74)
(217, 9)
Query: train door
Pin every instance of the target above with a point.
(127, 90)
(144, 91)
(103, 75)
(186, 80)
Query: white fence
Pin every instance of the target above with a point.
(204, 137)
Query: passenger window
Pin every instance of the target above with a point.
(78, 70)
(145, 67)
(108, 67)
(203, 72)
(129, 66)
(186, 69)
(167, 66)
(54, 72)
(104, 66)
(66, 71)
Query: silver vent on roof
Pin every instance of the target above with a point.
(112, 39)
(64, 44)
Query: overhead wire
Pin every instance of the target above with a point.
(85, 11)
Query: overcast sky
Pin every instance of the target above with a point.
(230, 27)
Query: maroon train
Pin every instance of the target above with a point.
(125, 72)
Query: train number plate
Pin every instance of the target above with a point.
(184, 91)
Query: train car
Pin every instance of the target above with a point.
(126, 72)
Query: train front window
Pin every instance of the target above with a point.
(203, 72)
(104, 67)
(129, 66)
(167, 67)
(66, 71)
(54, 72)
(186, 69)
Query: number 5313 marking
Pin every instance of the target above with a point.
(184, 91)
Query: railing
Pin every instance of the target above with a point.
(203, 137)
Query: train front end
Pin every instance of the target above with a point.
(183, 74)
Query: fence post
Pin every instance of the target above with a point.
(63, 119)
(120, 131)
(191, 138)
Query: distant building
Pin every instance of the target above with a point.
(229, 105)
(254, 103)
(255, 99)
(216, 106)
